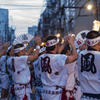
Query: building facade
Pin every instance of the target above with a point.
(33, 31)
(4, 23)
(83, 17)
(50, 19)
(77, 16)
(68, 16)
(11, 35)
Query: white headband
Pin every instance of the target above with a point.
(19, 49)
(92, 42)
(51, 42)
(42, 49)
(9, 49)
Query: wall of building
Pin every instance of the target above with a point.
(11, 35)
(84, 19)
(67, 16)
(32, 30)
(4, 24)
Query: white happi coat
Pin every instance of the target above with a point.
(52, 69)
(3, 75)
(53, 74)
(20, 74)
(89, 71)
(70, 74)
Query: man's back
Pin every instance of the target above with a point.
(20, 70)
(52, 69)
(89, 71)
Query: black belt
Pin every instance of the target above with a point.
(92, 95)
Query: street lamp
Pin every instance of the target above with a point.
(89, 7)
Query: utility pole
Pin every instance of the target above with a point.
(95, 10)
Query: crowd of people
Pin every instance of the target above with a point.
(55, 71)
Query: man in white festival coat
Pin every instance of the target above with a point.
(52, 67)
(20, 70)
(89, 67)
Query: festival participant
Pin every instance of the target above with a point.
(10, 53)
(52, 68)
(4, 76)
(20, 70)
(88, 67)
(68, 91)
(80, 44)
(37, 76)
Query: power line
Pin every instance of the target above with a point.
(28, 7)
(22, 5)
(22, 8)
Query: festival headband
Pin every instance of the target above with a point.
(19, 49)
(8, 49)
(52, 42)
(92, 42)
(42, 49)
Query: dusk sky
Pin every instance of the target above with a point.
(23, 13)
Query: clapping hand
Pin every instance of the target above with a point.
(71, 38)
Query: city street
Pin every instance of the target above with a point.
(50, 48)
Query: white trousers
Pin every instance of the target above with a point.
(5, 83)
(21, 97)
(78, 93)
(21, 90)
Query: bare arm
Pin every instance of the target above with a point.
(4, 48)
(35, 56)
(74, 55)
(29, 50)
(63, 45)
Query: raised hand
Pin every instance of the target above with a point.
(71, 38)
(38, 40)
(6, 45)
